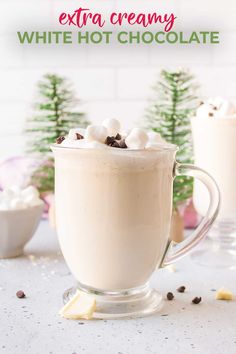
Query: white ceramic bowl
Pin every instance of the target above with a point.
(16, 228)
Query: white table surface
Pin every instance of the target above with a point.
(32, 325)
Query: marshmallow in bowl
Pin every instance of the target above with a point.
(14, 198)
(137, 139)
(112, 125)
(96, 133)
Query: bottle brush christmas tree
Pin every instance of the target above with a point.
(55, 115)
(169, 115)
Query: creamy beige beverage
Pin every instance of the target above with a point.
(113, 214)
(214, 138)
(113, 194)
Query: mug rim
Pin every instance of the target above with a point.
(161, 147)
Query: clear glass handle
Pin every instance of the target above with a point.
(177, 250)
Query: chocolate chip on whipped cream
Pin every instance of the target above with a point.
(79, 136)
(60, 139)
(118, 136)
(114, 142)
(110, 135)
(217, 107)
(123, 144)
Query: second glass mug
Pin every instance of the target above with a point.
(113, 216)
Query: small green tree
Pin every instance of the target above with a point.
(55, 115)
(169, 115)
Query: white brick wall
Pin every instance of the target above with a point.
(110, 80)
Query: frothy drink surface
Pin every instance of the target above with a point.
(113, 210)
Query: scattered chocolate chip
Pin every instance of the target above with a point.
(79, 136)
(110, 140)
(201, 103)
(118, 136)
(215, 108)
(20, 294)
(211, 114)
(196, 300)
(123, 144)
(60, 139)
(181, 289)
(170, 296)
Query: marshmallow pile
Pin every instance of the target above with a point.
(14, 198)
(217, 107)
(109, 134)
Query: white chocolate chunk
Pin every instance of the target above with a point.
(112, 125)
(80, 306)
(224, 294)
(171, 268)
(137, 139)
(96, 133)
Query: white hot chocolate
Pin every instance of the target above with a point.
(214, 139)
(113, 205)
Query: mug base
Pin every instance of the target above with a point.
(137, 302)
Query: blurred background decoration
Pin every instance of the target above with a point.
(174, 104)
(55, 115)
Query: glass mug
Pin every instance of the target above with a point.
(113, 216)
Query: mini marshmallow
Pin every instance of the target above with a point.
(112, 125)
(137, 139)
(14, 198)
(30, 191)
(9, 193)
(205, 110)
(216, 101)
(96, 133)
(226, 109)
(4, 205)
(17, 203)
(155, 138)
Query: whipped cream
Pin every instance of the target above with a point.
(14, 198)
(216, 107)
(109, 134)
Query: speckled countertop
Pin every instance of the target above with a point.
(32, 325)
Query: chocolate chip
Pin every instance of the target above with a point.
(60, 139)
(181, 289)
(215, 108)
(110, 140)
(201, 103)
(20, 294)
(79, 136)
(211, 114)
(118, 136)
(123, 144)
(115, 144)
(196, 300)
(170, 296)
